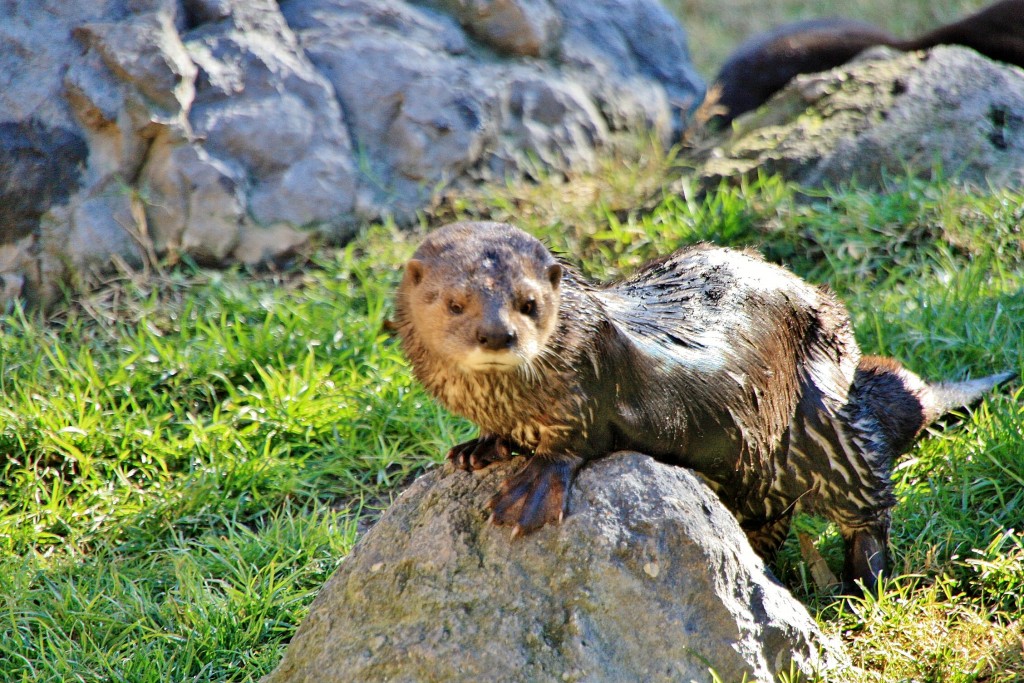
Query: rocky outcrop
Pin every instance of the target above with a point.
(229, 130)
(948, 110)
(649, 578)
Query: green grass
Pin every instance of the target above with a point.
(184, 463)
(187, 458)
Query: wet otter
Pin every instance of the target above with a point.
(709, 358)
(765, 63)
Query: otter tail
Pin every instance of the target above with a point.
(947, 396)
(902, 404)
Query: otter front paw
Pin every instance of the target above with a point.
(480, 452)
(536, 495)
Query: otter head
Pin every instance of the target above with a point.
(483, 297)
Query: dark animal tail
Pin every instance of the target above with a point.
(903, 404)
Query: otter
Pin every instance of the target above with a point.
(709, 358)
(765, 63)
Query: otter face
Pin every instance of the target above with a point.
(482, 302)
(489, 320)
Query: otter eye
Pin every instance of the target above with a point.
(528, 307)
(455, 308)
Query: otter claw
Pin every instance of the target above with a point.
(535, 496)
(478, 453)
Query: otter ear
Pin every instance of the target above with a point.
(554, 274)
(414, 270)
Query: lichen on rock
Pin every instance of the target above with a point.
(948, 111)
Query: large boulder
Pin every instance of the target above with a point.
(649, 578)
(948, 110)
(234, 129)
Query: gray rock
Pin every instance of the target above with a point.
(194, 202)
(555, 122)
(411, 105)
(146, 52)
(261, 104)
(112, 117)
(42, 166)
(78, 241)
(253, 119)
(883, 115)
(528, 28)
(42, 151)
(98, 223)
(240, 129)
(622, 58)
(37, 47)
(648, 578)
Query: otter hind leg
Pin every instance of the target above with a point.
(480, 452)
(536, 495)
(867, 555)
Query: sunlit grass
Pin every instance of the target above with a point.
(186, 461)
(933, 275)
(188, 457)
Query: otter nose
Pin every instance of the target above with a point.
(496, 337)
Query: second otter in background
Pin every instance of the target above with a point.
(764, 64)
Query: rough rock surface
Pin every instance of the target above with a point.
(227, 130)
(885, 114)
(649, 578)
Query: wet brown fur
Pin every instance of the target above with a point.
(708, 358)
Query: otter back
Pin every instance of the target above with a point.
(709, 358)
